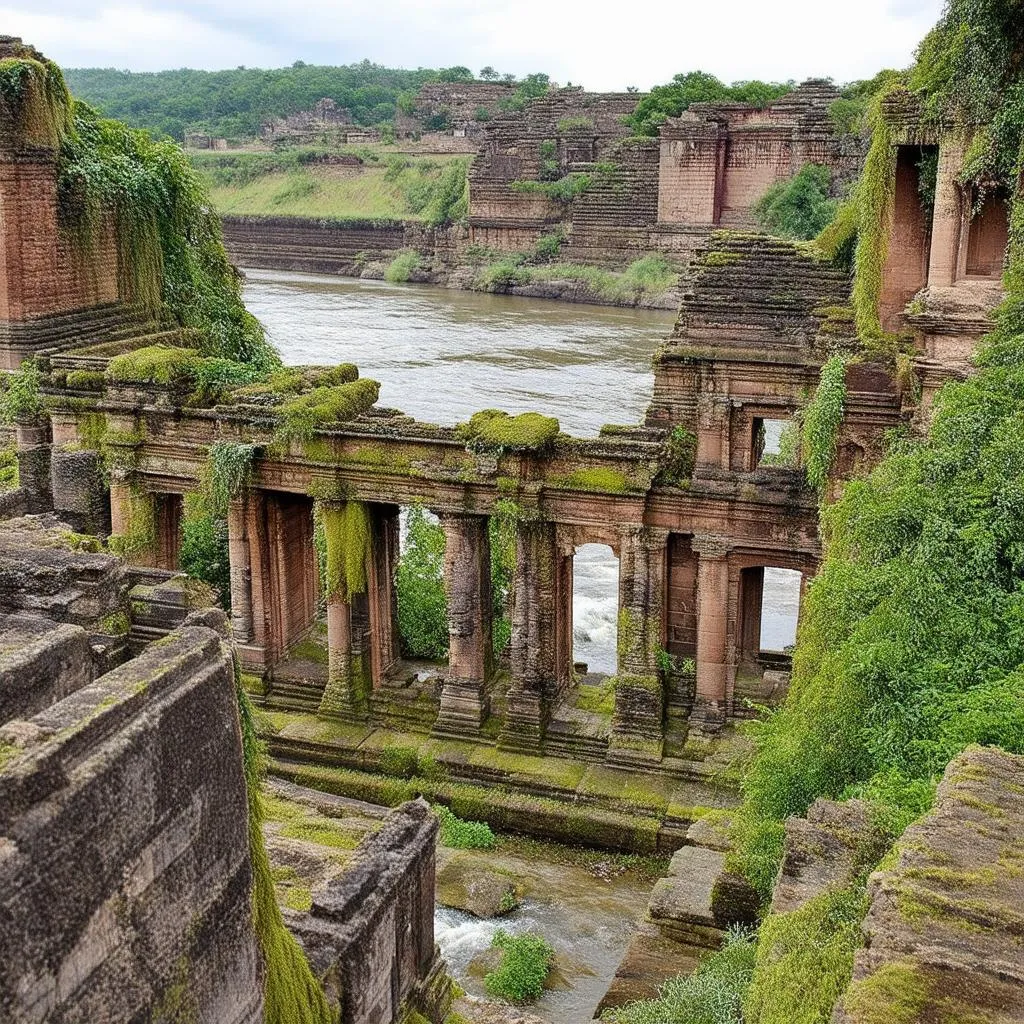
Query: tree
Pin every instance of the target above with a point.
(488, 74)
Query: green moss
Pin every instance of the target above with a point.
(86, 380)
(298, 897)
(154, 364)
(608, 481)
(141, 521)
(497, 431)
(346, 529)
(804, 959)
(115, 624)
(906, 992)
(293, 380)
(598, 699)
(324, 407)
(717, 258)
(8, 752)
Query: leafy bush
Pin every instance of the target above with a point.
(20, 395)
(419, 582)
(665, 101)
(506, 273)
(800, 207)
(560, 190)
(204, 546)
(713, 994)
(449, 200)
(400, 269)
(525, 962)
(548, 246)
(457, 834)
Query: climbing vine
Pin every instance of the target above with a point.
(229, 470)
(822, 420)
(346, 526)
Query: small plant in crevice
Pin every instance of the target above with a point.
(458, 834)
(526, 961)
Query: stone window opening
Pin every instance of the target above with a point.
(595, 603)
(769, 609)
(775, 443)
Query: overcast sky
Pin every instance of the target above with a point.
(597, 44)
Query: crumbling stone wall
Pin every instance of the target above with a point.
(459, 102)
(125, 872)
(49, 281)
(370, 934)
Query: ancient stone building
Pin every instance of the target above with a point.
(460, 109)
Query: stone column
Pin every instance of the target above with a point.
(241, 573)
(383, 598)
(467, 584)
(712, 421)
(347, 694)
(534, 637)
(638, 722)
(33, 439)
(947, 218)
(709, 709)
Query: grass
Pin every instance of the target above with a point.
(713, 994)
(299, 823)
(457, 834)
(647, 276)
(376, 192)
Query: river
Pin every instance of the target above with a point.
(440, 355)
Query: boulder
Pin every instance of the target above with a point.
(464, 884)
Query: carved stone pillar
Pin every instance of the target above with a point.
(712, 428)
(241, 573)
(638, 722)
(383, 598)
(467, 583)
(709, 710)
(77, 476)
(534, 640)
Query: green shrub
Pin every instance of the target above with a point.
(548, 246)
(560, 190)
(464, 835)
(525, 962)
(823, 419)
(800, 207)
(506, 273)
(449, 200)
(419, 582)
(713, 994)
(154, 364)
(85, 380)
(325, 407)
(20, 395)
(204, 546)
(400, 269)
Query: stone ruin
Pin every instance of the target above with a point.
(685, 499)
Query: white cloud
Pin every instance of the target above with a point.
(601, 45)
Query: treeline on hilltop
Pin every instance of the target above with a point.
(234, 103)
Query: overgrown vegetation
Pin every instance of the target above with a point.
(799, 207)
(458, 834)
(291, 992)
(646, 277)
(525, 963)
(713, 994)
(172, 260)
(234, 103)
(821, 422)
(21, 400)
(419, 582)
(495, 431)
(665, 101)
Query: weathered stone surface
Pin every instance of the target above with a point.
(680, 904)
(481, 1011)
(40, 663)
(464, 885)
(943, 935)
(823, 851)
(370, 933)
(125, 873)
(650, 960)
